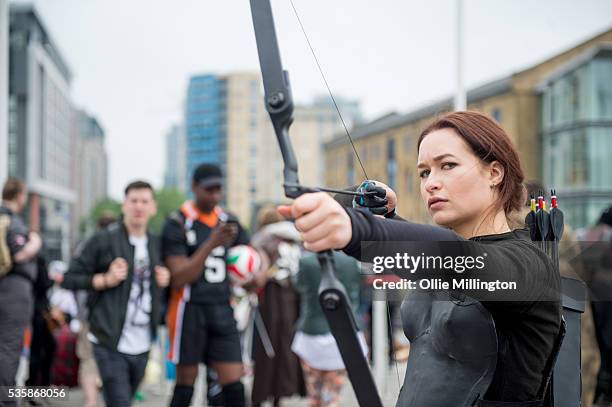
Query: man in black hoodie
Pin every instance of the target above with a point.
(21, 247)
(121, 265)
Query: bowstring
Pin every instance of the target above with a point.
(348, 134)
(328, 89)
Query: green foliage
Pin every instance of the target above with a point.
(168, 200)
(107, 205)
(104, 206)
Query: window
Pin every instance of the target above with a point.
(496, 113)
(363, 154)
(409, 143)
(597, 155)
(602, 73)
(391, 149)
(391, 163)
(409, 180)
(41, 121)
(577, 166)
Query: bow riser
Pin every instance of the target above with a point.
(337, 309)
(332, 295)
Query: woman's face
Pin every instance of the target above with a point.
(455, 184)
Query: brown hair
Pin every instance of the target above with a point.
(139, 185)
(12, 188)
(489, 142)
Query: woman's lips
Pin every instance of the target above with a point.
(436, 203)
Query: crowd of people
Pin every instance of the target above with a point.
(94, 322)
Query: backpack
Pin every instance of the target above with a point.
(5, 254)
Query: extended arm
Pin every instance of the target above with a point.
(186, 270)
(29, 250)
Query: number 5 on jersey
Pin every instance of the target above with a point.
(214, 267)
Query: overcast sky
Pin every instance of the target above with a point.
(131, 59)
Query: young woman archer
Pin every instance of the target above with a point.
(471, 182)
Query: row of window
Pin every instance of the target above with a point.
(578, 158)
(584, 94)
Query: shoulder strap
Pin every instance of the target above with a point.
(545, 391)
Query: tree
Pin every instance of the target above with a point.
(168, 200)
(107, 205)
(104, 206)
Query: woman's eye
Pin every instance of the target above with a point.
(423, 173)
(448, 166)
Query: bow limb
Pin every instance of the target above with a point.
(332, 295)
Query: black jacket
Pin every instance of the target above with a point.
(107, 308)
(527, 319)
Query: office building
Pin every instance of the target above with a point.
(91, 166)
(557, 112)
(4, 73)
(41, 143)
(176, 166)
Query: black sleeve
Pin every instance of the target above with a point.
(17, 235)
(369, 228)
(514, 260)
(523, 263)
(173, 239)
(42, 284)
(393, 215)
(83, 266)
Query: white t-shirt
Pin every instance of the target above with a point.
(136, 334)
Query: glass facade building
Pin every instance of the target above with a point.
(176, 164)
(205, 123)
(576, 135)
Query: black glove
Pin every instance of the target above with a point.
(375, 199)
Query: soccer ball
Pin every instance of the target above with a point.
(242, 262)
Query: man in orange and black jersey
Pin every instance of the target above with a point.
(200, 319)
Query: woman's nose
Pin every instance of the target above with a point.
(432, 184)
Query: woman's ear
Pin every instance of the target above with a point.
(496, 173)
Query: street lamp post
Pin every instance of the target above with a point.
(4, 67)
(460, 98)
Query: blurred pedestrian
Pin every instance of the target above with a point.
(279, 375)
(314, 344)
(89, 378)
(42, 347)
(18, 251)
(596, 257)
(200, 318)
(121, 264)
(62, 317)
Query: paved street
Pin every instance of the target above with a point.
(157, 396)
